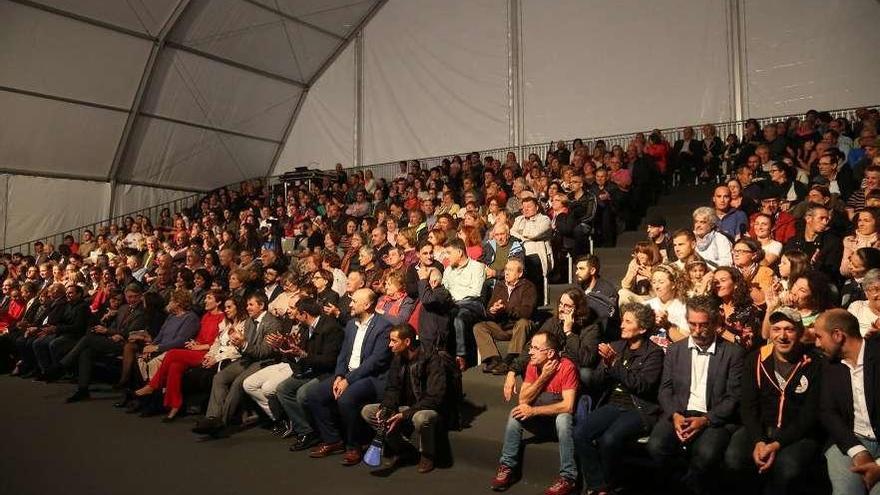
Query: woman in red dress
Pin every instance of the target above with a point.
(177, 361)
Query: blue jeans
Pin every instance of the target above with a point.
(468, 312)
(544, 427)
(291, 394)
(844, 481)
(601, 440)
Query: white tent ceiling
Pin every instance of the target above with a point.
(177, 94)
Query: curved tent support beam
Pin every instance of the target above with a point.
(137, 103)
(327, 63)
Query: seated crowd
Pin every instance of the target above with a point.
(738, 349)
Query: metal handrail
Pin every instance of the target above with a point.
(389, 170)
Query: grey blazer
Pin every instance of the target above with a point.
(256, 349)
(722, 383)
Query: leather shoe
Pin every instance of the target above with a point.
(352, 457)
(304, 442)
(426, 465)
(491, 363)
(208, 426)
(327, 449)
(79, 395)
(499, 369)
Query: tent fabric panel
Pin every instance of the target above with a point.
(323, 133)
(570, 88)
(248, 34)
(131, 198)
(432, 83)
(4, 184)
(147, 17)
(195, 89)
(49, 136)
(824, 56)
(336, 16)
(50, 54)
(164, 152)
(39, 206)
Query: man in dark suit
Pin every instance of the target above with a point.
(49, 312)
(359, 379)
(103, 341)
(850, 403)
(226, 389)
(310, 357)
(687, 156)
(509, 318)
(699, 394)
(59, 338)
(781, 387)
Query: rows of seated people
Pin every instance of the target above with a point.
(359, 306)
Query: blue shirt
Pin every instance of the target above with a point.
(734, 223)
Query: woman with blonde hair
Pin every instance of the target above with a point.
(670, 286)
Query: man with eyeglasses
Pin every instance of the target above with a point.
(545, 408)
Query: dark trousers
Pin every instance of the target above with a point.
(705, 450)
(82, 356)
(791, 466)
(8, 349)
(329, 414)
(24, 347)
(533, 271)
(601, 439)
(49, 349)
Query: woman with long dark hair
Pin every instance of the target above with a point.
(742, 319)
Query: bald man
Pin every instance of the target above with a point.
(359, 379)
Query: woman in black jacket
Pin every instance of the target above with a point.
(629, 372)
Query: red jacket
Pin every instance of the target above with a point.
(783, 226)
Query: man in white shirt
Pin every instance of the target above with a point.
(699, 395)
(535, 230)
(464, 280)
(358, 380)
(849, 404)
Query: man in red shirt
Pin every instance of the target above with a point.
(546, 408)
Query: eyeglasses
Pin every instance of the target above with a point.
(538, 349)
(742, 251)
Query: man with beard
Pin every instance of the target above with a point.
(657, 234)
(849, 403)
